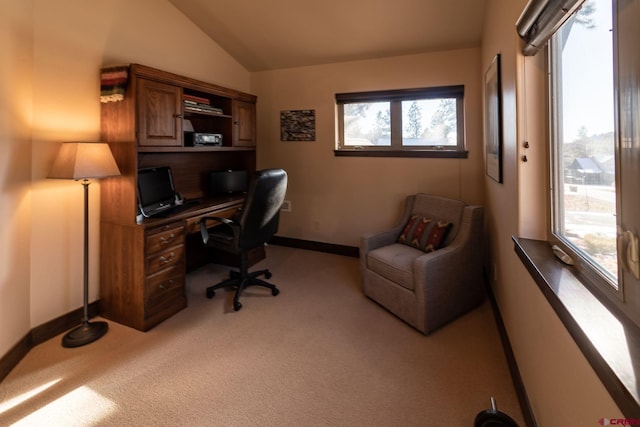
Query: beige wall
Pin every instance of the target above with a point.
(561, 385)
(51, 55)
(337, 199)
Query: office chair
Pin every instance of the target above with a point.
(256, 223)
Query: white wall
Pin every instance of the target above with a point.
(337, 199)
(561, 385)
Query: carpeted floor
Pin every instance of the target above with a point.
(318, 354)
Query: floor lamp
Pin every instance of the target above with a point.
(81, 161)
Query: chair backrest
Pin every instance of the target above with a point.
(261, 209)
(441, 208)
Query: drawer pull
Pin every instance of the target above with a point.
(164, 288)
(165, 241)
(167, 260)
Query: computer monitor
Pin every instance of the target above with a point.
(227, 182)
(156, 192)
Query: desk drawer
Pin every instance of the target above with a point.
(164, 290)
(167, 282)
(165, 237)
(193, 223)
(168, 258)
(162, 308)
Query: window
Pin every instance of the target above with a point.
(402, 122)
(584, 137)
(586, 154)
(594, 75)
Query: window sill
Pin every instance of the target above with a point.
(436, 154)
(610, 344)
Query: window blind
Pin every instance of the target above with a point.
(540, 19)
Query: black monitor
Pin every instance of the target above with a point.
(156, 192)
(228, 182)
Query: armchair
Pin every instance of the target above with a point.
(255, 225)
(423, 281)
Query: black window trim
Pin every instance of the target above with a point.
(432, 153)
(435, 92)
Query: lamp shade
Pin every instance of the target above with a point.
(81, 160)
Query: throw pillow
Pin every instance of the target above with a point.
(413, 231)
(437, 235)
(424, 233)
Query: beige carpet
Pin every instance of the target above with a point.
(318, 354)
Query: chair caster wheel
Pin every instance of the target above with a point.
(210, 293)
(236, 306)
(275, 291)
(267, 275)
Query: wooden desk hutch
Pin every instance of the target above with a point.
(143, 265)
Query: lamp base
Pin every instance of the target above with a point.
(84, 334)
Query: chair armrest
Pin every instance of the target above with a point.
(448, 274)
(458, 259)
(204, 231)
(429, 269)
(371, 241)
(374, 240)
(450, 280)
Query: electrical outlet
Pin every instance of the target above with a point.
(286, 206)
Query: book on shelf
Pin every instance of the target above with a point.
(197, 99)
(198, 108)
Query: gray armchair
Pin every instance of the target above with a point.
(427, 287)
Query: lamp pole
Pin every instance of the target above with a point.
(87, 332)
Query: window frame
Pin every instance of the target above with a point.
(596, 281)
(604, 324)
(395, 98)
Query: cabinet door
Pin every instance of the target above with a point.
(159, 114)
(244, 124)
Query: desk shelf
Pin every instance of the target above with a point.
(195, 149)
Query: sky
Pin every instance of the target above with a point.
(588, 62)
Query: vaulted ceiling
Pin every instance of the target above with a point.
(273, 34)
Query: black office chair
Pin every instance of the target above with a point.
(256, 223)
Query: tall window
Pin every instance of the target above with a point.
(584, 140)
(402, 120)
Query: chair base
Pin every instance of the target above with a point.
(240, 282)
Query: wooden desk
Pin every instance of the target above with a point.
(143, 266)
(142, 279)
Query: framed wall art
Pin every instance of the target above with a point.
(298, 125)
(493, 120)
